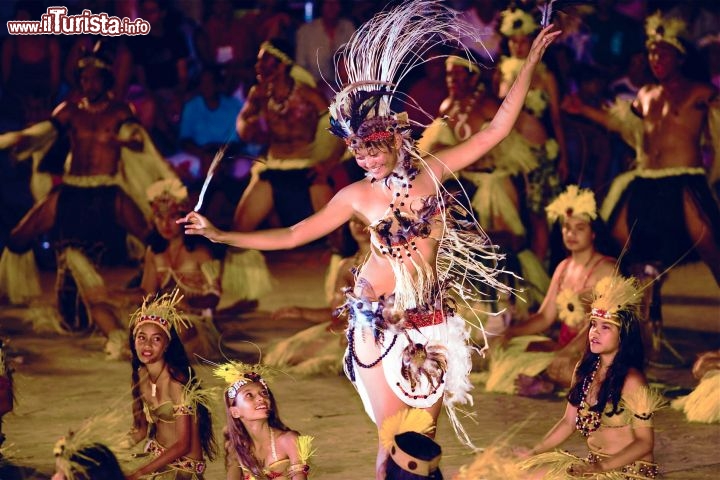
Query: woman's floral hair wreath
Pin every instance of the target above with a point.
(168, 197)
(516, 21)
(573, 202)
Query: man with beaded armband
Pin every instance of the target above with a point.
(609, 401)
(406, 345)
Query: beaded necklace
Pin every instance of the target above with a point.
(587, 421)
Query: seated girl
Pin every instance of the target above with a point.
(169, 405)
(609, 402)
(258, 444)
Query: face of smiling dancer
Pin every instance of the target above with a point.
(151, 341)
(604, 337)
(251, 403)
(378, 162)
(577, 234)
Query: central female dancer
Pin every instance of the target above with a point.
(406, 347)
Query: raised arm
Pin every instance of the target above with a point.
(468, 152)
(338, 211)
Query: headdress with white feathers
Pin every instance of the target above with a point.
(380, 55)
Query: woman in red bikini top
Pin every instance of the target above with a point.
(568, 297)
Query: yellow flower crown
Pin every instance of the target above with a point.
(238, 374)
(162, 312)
(517, 22)
(613, 294)
(454, 60)
(668, 30)
(572, 202)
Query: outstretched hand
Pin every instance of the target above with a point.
(196, 224)
(541, 42)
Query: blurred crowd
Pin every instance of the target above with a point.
(188, 79)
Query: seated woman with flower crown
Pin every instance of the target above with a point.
(175, 261)
(609, 402)
(258, 444)
(567, 300)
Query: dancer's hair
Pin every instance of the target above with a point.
(182, 372)
(239, 439)
(631, 354)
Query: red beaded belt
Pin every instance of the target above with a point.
(428, 319)
(182, 463)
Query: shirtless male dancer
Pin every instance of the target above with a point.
(90, 211)
(665, 206)
(287, 113)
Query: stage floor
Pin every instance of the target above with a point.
(61, 380)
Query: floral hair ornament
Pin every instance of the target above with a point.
(238, 374)
(573, 202)
(161, 311)
(168, 197)
(516, 21)
(667, 30)
(614, 294)
(378, 56)
(457, 61)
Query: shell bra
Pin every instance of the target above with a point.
(635, 409)
(466, 262)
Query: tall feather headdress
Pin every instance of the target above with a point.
(380, 55)
(613, 294)
(667, 30)
(573, 202)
